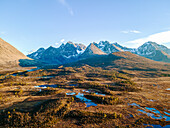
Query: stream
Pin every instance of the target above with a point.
(80, 95)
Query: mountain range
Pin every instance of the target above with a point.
(74, 52)
(71, 52)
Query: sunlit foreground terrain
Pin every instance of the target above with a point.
(84, 96)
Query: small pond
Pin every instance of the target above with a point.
(154, 113)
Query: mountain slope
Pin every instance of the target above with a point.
(108, 47)
(92, 50)
(66, 53)
(71, 49)
(123, 60)
(71, 52)
(154, 51)
(9, 55)
(37, 54)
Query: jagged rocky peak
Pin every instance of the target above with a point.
(70, 52)
(41, 49)
(70, 48)
(151, 47)
(51, 48)
(154, 51)
(37, 54)
(75, 45)
(147, 48)
(92, 49)
(103, 43)
(108, 47)
(104, 46)
(70, 44)
(118, 45)
(160, 47)
(50, 51)
(154, 44)
(80, 46)
(122, 48)
(67, 46)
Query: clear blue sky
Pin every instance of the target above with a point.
(30, 24)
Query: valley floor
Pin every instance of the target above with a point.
(83, 97)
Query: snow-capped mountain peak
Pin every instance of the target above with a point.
(70, 52)
(37, 54)
(149, 48)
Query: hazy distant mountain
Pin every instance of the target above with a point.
(154, 51)
(9, 55)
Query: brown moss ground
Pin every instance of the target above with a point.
(28, 98)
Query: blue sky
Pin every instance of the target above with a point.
(30, 24)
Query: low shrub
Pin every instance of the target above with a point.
(104, 100)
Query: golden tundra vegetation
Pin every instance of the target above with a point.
(85, 96)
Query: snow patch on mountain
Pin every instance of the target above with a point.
(80, 52)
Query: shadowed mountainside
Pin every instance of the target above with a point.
(123, 60)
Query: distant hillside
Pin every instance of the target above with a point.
(123, 60)
(9, 55)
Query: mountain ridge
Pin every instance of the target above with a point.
(122, 61)
(9, 55)
(68, 52)
(154, 51)
(72, 52)
(92, 50)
